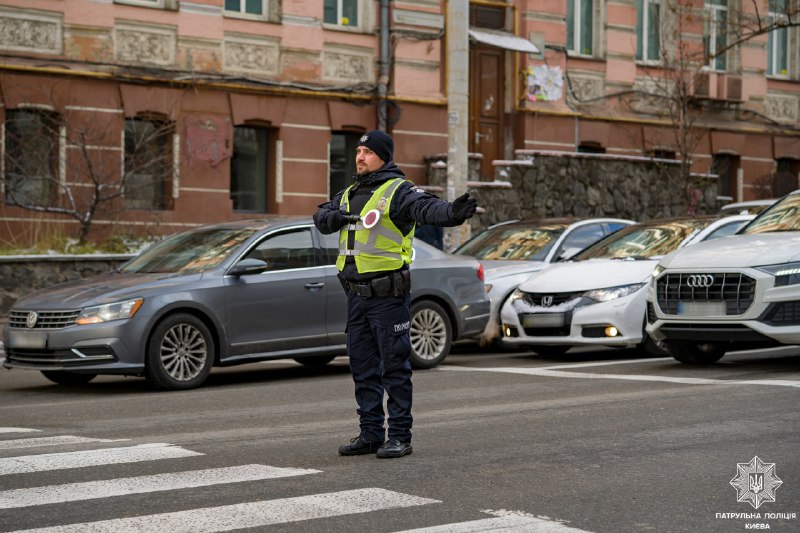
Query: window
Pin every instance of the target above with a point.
(284, 251)
(30, 157)
(591, 147)
(715, 39)
(648, 23)
(342, 160)
(246, 7)
(249, 172)
(148, 164)
(787, 176)
(778, 40)
(726, 167)
(341, 12)
(580, 26)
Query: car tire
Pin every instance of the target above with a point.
(321, 360)
(431, 334)
(180, 353)
(551, 350)
(695, 354)
(68, 378)
(653, 348)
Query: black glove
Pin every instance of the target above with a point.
(464, 207)
(336, 220)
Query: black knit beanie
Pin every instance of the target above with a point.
(379, 142)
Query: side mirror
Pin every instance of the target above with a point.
(568, 253)
(247, 267)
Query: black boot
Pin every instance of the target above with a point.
(394, 448)
(360, 446)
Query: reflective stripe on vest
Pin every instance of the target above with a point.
(382, 247)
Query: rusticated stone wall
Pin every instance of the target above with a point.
(22, 275)
(562, 184)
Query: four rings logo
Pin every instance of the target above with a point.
(697, 281)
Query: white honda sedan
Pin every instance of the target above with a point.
(598, 298)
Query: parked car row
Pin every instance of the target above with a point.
(254, 290)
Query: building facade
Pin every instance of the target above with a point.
(156, 115)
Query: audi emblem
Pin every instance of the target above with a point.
(547, 301)
(31, 319)
(698, 281)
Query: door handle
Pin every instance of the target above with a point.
(314, 285)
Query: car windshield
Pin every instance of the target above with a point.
(782, 216)
(527, 243)
(189, 252)
(643, 241)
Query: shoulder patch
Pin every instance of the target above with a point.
(417, 188)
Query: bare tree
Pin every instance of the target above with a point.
(689, 41)
(68, 165)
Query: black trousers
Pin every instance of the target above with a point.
(379, 348)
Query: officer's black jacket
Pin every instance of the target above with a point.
(409, 205)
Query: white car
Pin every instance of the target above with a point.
(598, 298)
(731, 294)
(511, 251)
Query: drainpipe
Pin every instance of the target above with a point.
(383, 63)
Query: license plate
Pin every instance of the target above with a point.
(701, 308)
(27, 339)
(543, 320)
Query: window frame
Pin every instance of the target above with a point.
(576, 26)
(56, 142)
(714, 9)
(643, 48)
(268, 152)
(265, 15)
(168, 156)
(772, 58)
(361, 15)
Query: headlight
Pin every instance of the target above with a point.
(109, 312)
(785, 274)
(605, 295)
(657, 271)
(516, 295)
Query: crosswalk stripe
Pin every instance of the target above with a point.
(71, 492)
(49, 441)
(102, 456)
(502, 524)
(18, 430)
(251, 514)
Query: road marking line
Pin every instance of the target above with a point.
(91, 490)
(505, 521)
(610, 363)
(49, 441)
(102, 456)
(251, 514)
(550, 373)
(18, 430)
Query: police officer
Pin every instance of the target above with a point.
(375, 217)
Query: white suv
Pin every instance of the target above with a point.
(734, 293)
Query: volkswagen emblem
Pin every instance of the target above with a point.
(547, 301)
(697, 281)
(30, 321)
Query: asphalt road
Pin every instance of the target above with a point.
(594, 441)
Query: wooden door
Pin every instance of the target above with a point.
(486, 105)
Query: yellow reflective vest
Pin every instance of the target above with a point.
(382, 247)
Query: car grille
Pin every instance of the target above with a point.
(783, 314)
(44, 319)
(535, 298)
(734, 289)
(59, 358)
